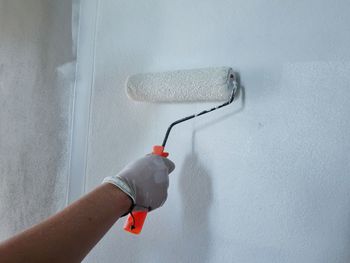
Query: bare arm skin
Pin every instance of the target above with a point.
(70, 234)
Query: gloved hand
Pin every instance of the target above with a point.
(146, 181)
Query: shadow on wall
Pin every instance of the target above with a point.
(195, 186)
(197, 195)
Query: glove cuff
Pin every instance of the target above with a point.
(122, 185)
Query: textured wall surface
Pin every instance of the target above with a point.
(266, 180)
(36, 49)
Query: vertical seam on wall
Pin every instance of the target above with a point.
(73, 106)
(91, 92)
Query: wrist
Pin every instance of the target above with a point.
(122, 201)
(122, 185)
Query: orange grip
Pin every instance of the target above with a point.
(134, 225)
(159, 150)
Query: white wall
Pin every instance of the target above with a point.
(36, 88)
(265, 180)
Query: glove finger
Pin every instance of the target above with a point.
(169, 164)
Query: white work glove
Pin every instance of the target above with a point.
(145, 181)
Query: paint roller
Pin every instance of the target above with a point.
(196, 85)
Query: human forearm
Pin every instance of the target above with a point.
(70, 234)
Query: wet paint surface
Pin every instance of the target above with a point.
(265, 180)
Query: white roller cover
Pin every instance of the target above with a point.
(196, 85)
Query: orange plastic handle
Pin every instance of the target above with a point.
(134, 224)
(159, 150)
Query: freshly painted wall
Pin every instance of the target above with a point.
(37, 53)
(266, 180)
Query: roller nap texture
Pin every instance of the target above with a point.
(208, 84)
